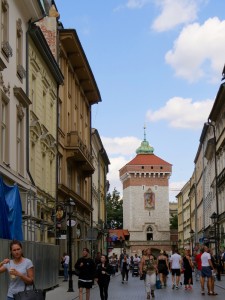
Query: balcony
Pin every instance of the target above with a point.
(78, 153)
(7, 49)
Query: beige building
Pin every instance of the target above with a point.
(75, 160)
(99, 190)
(206, 188)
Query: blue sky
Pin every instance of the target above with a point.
(156, 62)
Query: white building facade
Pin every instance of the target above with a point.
(146, 201)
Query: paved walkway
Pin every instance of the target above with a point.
(134, 290)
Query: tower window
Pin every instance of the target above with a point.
(149, 234)
(142, 167)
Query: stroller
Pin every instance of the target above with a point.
(135, 271)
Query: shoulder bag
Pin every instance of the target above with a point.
(34, 294)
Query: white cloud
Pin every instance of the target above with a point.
(174, 189)
(182, 113)
(175, 12)
(113, 176)
(133, 4)
(125, 145)
(199, 51)
(120, 151)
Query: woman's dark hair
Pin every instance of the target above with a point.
(106, 258)
(15, 242)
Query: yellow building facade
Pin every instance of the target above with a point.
(44, 79)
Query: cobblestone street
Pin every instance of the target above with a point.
(134, 290)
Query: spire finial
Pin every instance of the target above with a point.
(145, 148)
(144, 132)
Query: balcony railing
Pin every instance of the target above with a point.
(78, 151)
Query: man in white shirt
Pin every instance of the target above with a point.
(175, 266)
(66, 260)
(207, 268)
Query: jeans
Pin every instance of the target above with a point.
(65, 271)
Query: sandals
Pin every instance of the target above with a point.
(212, 294)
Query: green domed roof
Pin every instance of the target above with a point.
(145, 148)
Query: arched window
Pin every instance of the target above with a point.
(149, 233)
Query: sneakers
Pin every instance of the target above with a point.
(173, 286)
(148, 296)
(177, 287)
(122, 282)
(153, 294)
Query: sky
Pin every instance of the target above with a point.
(157, 63)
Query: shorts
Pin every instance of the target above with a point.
(175, 272)
(85, 284)
(206, 272)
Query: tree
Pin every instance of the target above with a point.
(174, 222)
(114, 208)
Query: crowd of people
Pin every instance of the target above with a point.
(151, 269)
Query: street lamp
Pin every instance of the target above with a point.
(70, 203)
(214, 218)
(121, 243)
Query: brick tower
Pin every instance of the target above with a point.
(145, 182)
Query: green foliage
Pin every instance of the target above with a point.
(114, 208)
(174, 222)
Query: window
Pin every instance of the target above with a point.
(59, 168)
(149, 232)
(20, 139)
(69, 176)
(4, 143)
(44, 107)
(19, 50)
(33, 92)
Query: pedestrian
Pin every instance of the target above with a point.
(121, 263)
(207, 268)
(148, 266)
(102, 276)
(213, 260)
(20, 269)
(65, 260)
(198, 264)
(175, 265)
(188, 269)
(163, 267)
(114, 264)
(125, 262)
(86, 267)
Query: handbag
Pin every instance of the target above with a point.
(143, 276)
(158, 283)
(34, 294)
